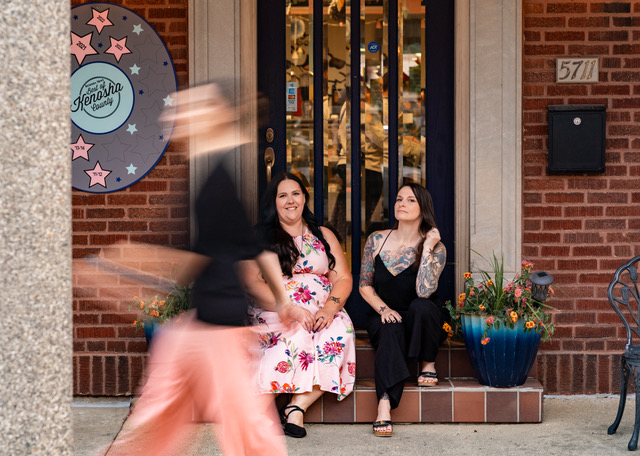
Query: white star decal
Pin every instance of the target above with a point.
(131, 169)
(132, 128)
(134, 69)
(137, 29)
(168, 101)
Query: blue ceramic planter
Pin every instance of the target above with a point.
(150, 327)
(507, 359)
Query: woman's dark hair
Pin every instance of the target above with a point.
(427, 213)
(282, 242)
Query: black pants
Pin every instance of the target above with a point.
(418, 336)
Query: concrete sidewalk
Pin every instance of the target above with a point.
(572, 425)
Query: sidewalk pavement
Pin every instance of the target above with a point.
(572, 425)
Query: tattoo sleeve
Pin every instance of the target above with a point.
(431, 266)
(367, 267)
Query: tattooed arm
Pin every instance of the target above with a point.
(341, 283)
(434, 257)
(367, 291)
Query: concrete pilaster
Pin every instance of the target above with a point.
(35, 229)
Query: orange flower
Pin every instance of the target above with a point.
(530, 324)
(142, 305)
(514, 316)
(489, 283)
(481, 307)
(446, 327)
(467, 275)
(135, 323)
(485, 341)
(161, 303)
(461, 296)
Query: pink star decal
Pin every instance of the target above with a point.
(118, 48)
(81, 46)
(80, 149)
(97, 175)
(100, 19)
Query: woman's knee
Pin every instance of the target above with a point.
(424, 306)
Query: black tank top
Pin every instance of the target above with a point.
(397, 291)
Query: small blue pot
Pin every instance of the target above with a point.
(150, 327)
(508, 357)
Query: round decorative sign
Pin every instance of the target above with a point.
(373, 47)
(122, 77)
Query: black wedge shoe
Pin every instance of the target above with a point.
(291, 429)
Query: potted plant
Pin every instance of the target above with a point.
(157, 310)
(502, 322)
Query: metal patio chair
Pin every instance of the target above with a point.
(624, 298)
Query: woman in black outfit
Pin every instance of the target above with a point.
(399, 279)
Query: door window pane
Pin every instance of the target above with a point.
(337, 119)
(299, 92)
(374, 105)
(412, 141)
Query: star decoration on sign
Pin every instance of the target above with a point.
(135, 69)
(97, 175)
(138, 29)
(168, 101)
(132, 128)
(100, 19)
(81, 46)
(118, 48)
(131, 169)
(80, 149)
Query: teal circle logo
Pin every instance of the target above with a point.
(102, 97)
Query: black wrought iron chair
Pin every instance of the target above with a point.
(624, 298)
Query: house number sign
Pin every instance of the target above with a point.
(576, 71)
(122, 77)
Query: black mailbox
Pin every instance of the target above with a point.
(577, 138)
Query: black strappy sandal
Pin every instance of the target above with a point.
(290, 429)
(430, 379)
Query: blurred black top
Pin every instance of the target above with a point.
(226, 236)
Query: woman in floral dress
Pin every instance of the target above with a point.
(316, 353)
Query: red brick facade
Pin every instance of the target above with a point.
(109, 354)
(580, 228)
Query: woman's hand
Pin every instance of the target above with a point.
(293, 312)
(388, 315)
(433, 237)
(323, 319)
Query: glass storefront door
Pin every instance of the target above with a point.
(353, 81)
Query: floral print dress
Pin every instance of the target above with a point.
(294, 360)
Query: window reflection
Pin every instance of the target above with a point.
(374, 103)
(337, 46)
(412, 141)
(299, 107)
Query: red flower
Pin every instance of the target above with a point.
(283, 367)
(351, 367)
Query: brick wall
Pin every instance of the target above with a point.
(109, 355)
(580, 228)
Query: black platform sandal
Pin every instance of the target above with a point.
(290, 429)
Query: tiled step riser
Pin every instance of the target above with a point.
(451, 362)
(458, 398)
(459, 401)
